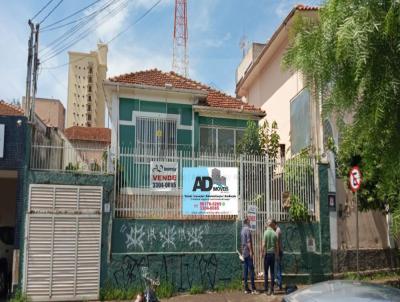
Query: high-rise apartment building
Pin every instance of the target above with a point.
(86, 100)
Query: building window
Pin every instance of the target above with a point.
(220, 140)
(208, 140)
(90, 70)
(89, 108)
(89, 117)
(282, 151)
(300, 125)
(90, 79)
(155, 134)
(90, 88)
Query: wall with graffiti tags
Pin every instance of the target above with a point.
(185, 253)
(133, 236)
(204, 253)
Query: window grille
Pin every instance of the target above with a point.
(156, 134)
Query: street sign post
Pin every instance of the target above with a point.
(355, 180)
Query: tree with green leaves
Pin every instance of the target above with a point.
(350, 57)
(263, 140)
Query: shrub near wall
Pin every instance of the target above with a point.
(186, 254)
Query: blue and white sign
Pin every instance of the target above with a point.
(2, 127)
(210, 191)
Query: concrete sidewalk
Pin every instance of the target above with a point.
(226, 297)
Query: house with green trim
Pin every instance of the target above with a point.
(155, 110)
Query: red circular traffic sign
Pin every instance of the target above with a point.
(355, 178)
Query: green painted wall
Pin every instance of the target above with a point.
(185, 253)
(223, 122)
(298, 261)
(127, 106)
(173, 236)
(196, 131)
(127, 133)
(127, 136)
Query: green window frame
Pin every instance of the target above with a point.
(219, 140)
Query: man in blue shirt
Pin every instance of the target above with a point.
(278, 264)
(247, 253)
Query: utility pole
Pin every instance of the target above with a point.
(27, 104)
(35, 71)
(32, 71)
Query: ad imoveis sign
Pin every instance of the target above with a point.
(210, 191)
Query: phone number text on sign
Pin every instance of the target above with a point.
(163, 176)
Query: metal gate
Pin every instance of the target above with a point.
(265, 183)
(63, 243)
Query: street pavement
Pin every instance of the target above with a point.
(226, 297)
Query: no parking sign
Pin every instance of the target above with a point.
(355, 178)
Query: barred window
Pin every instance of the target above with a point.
(156, 134)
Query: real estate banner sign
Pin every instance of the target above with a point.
(210, 191)
(163, 176)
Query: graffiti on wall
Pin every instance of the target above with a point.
(183, 271)
(136, 236)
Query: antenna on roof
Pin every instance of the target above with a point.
(244, 44)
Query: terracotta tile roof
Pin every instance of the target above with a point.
(88, 134)
(155, 77)
(9, 109)
(306, 7)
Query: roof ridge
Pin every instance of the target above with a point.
(19, 109)
(306, 7)
(156, 77)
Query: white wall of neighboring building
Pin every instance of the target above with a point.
(268, 85)
(272, 90)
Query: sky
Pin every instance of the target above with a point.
(215, 30)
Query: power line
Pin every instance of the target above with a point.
(42, 9)
(70, 32)
(134, 23)
(54, 8)
(114, 38)
(84, 34)
(69, 16)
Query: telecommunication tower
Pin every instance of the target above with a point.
(180, 60)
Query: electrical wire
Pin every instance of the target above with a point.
(48, 27)
(112, 39)
(54, 8)
(52, 46)
(84, 34)
(134, 23)
(42, 9)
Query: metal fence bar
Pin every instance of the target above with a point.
(70, 158)
(262, 182)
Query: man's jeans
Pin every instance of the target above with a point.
(279, 270)
(269, 265)
(248, 266)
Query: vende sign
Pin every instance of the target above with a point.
(163, 176)
(2, 127)
(210, 191)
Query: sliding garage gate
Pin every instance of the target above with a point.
(62, 259)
